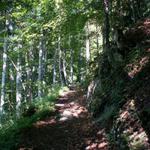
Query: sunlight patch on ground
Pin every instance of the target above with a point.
(131, 126)
(50, 121)
(73, 110)
(67, 110)
(136, 68)
(100, 143)
(64, 93)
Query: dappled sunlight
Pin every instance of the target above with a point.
(101, 146)
(72, 110)
(50, 121)
(99, 143)
(131, 127)
(67, 109)
(136, 68)
(70, 127)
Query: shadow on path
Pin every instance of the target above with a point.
(71, 128)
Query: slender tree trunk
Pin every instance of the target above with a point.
(61, 69)
(71, 65)
(87, 45)
(3, 82)
(60, 65)
(71, 61)
(12, 81)
(97, 38)
(29, 59)
(79, 65)
(18, 85)
(44, 61)
(64, 65)
(54, 66)
(31, 72)
(40, 70)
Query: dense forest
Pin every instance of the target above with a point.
(75, 75)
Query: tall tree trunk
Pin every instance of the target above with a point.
(18, 84)
(97, 38)
(12, 81)
(71, 65)
(40, 70)
(54, 66)
(44, 65)
(3, 82)
(29, 68)
(71, 60)
(9, 28)
(79, 65)
(87, 45)
(64, 65)
(61, 69)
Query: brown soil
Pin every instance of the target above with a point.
(71, 128)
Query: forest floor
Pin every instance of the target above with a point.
(69, 128)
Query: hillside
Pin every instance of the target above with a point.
(123, 91)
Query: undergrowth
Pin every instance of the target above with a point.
(10, 129)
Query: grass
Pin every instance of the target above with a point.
(10, 130)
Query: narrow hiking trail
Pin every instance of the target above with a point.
(69, 128)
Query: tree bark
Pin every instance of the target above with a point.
(71, 65)
(64, 65)
(40, 70)
(54, 66)
(61, 69)
(18, 84)
(97, 38)
(3, 82)
(29, 68)
(87, 45)
(79, 65)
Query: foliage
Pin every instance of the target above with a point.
(10, 130)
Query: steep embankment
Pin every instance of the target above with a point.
(120, 98)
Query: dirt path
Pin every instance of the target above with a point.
(71, 128)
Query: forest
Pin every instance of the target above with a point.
(74, 75)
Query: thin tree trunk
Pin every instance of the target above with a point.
(64, 65)
(40, 75)
(61, 69)
(79, 65)
(44, 66)
(87, 45)
(54, 67)
(3, 82)
(97, 38)
(31, 72)
(60, 66)
(71, 65)
(71, 60)
(18, 85)
(29, 59)
(12, 81)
